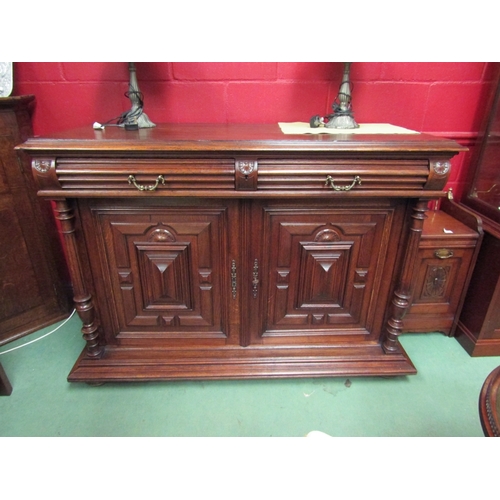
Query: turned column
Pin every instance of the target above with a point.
(83, 300)
(402, 294)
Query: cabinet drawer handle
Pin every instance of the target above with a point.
(443, 253)
(331, 182)
(141, 187)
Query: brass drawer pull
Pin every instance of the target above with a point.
(140, 187)
(331, 182)
(443, 253)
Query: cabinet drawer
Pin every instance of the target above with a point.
(181, 177)
(373, 175)
(112, 176)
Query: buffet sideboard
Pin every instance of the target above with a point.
(239, 251)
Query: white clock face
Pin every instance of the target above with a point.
(5, 79)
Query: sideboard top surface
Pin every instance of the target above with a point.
(258, 138)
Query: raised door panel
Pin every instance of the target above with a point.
(166, 271)
(439, 282)
(322, 269)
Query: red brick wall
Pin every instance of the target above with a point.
(447, 99)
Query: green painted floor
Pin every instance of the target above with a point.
(441, 400)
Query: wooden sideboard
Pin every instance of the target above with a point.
(237, 251)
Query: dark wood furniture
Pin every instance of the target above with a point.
(489, 404)
(449, 245)
(34, 286)
(5, 385)
(236, 251)
(478, 329)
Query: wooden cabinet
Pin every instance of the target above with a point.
(206, 251)
(479, 325)
(478, 330)
(34, 289)
(447, 255)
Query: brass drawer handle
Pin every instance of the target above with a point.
(331, 182)
(443, 253)
(141, 187)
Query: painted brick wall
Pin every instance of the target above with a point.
(447, 99)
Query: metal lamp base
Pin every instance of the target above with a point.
(342, 121)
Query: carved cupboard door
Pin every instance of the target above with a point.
(437, 292)
(324, 271)
(165, 269)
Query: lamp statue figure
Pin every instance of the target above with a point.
(135, 118)
(342, 117)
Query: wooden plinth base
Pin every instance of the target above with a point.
(129, 364)
(474, 346)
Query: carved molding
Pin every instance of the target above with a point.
(161, 235)
(326, 235)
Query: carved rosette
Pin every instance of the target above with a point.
(246, 174)
(436, 280)
(43, 166)
(439, 171)
(44, 172)
(246, 167)
(441, 167)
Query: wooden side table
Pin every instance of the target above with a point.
(448, 250)
(489, 404)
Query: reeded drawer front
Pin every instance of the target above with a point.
(178, 174)
(164, 176)
(313, 175)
